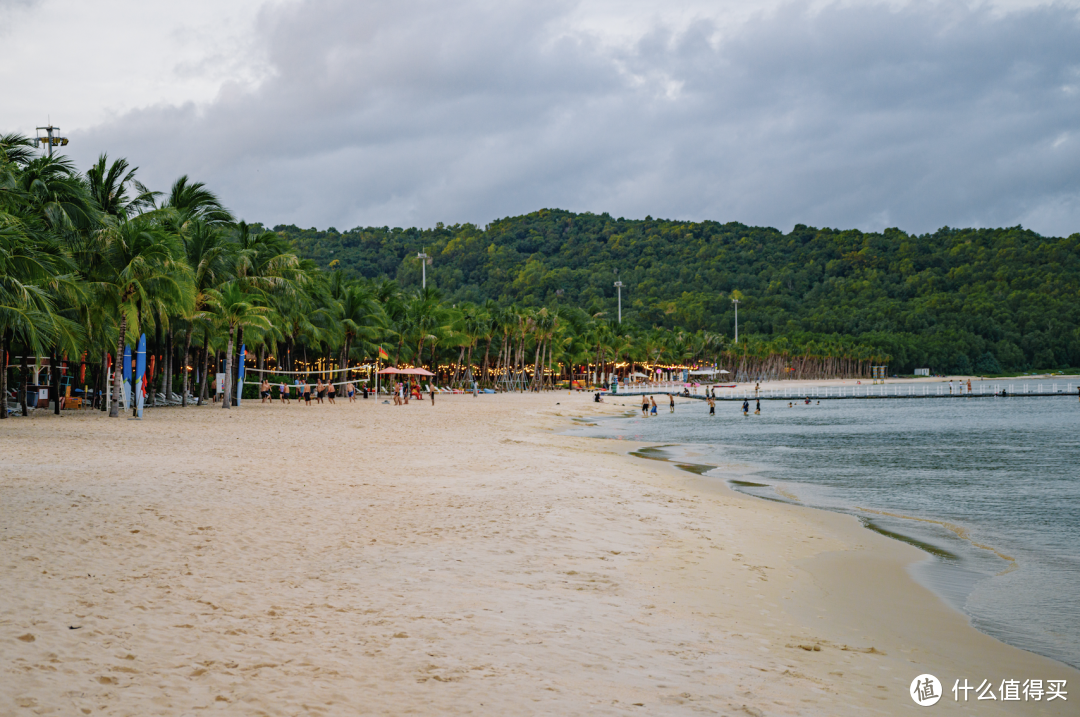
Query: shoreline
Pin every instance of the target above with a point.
(943, 571)
(886, 556)
(467, 558)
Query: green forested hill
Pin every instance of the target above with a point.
(954, 300)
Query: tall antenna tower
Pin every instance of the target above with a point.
(50, 139)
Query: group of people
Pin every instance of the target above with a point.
(649, 402)
(403, 392)
(305, 391)
(649, 406)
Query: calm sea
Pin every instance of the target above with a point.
(989, 487)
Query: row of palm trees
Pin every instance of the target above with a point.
(90, 260)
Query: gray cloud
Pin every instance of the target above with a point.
(415, 112)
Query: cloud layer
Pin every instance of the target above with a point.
(915, 115)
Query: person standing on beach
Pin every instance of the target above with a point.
(712, 406)
(431, 390)
(745, 407)
(671, 402)
(305, 391)
(283, 390)
(652, 400)
(264, 389)
(330, 390)
(350, 391)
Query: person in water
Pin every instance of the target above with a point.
(644, 405)
(652, 401)
(745, 407)
(671, 402)
(757, 408)
(712, 406)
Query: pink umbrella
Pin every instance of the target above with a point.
(417, 372)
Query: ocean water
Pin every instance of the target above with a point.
(988, 487)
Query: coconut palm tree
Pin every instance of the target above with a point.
(109, 185)
(142, 268)
(234, 309)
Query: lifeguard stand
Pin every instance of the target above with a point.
(877, 373)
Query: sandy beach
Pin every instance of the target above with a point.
(462, 558)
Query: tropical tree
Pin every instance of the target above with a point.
(234, 309)
(141, 268)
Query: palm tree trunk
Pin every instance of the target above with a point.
(101, 385)
(3, 376)
(54, 382)
(227, 402)
(23, 372)
(205, 369)
(169, 350)
(186, 379)
(235, 379)
(487, 353)
(118, 368)
(536, 366)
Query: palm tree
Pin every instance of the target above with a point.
(207, 251)
(234, 309)
(192, 200)
(109, 184)
(142, 267)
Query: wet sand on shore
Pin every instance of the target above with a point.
(465, 558)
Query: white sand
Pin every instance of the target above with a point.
(466, 558)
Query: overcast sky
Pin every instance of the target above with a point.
(344, 112)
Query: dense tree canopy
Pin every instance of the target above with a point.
(956, 300)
